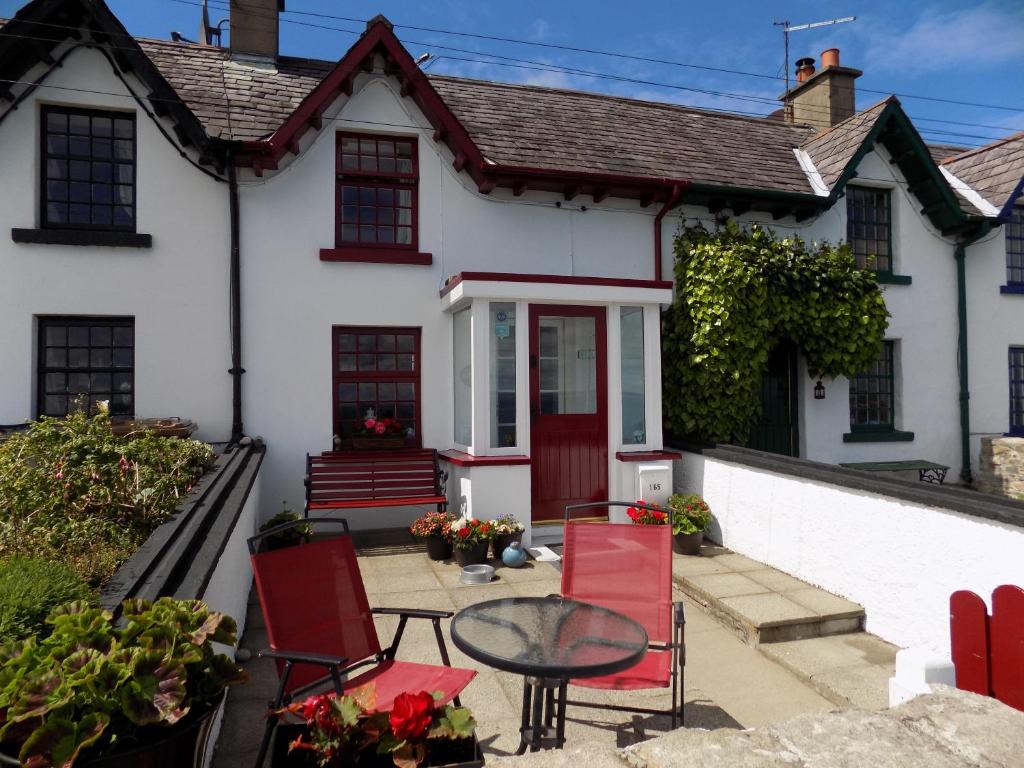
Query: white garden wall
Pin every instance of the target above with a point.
(899, 559)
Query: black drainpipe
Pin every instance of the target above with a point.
(959, 253)
(236, 370)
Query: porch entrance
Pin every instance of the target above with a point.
(777, 429)
(568, 407)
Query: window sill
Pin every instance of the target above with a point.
(627, 456)
(895, 436)
(887, 279)
(462, 459)
(377, 256)
(108, 238)
(1012, 288)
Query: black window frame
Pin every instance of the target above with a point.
(1016, 390)
(45, 322)
(855, 193)
(861, 385)
(1015, 247)
(44, 199)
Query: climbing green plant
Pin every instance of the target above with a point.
(738, 293)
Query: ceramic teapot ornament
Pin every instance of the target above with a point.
(514, 555)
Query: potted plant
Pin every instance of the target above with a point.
(471, 538)
(435, 528)
(642, 516)
(348, 730)
(506, 530)
(288, 537)
(375, 434)
(92, 693)
(691, 516)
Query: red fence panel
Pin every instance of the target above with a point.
(969, 630)
(1007, 645)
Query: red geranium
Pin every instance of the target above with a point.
(641, 516)
(412, 715)
(465, 533)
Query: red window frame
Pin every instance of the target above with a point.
(377, 179)
(375, 376)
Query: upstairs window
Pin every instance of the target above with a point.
(88, 169)
(376, 193)
(869, 227)
(1015, 247)
(873, 394)
(83, 360)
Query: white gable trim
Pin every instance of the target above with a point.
(975, 199)
(807, 165)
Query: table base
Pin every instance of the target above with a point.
(543, 723)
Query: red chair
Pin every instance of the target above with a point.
(320, 625)
(628, 569)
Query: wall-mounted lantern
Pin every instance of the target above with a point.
(819, 391)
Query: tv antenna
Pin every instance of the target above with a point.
(787, 27)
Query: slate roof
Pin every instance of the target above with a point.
(518, 125)
(940, 152)
(995, 171)
(832, 149)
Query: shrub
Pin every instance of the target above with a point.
(29, 589)
(71, 491)
(690, 513)
(288, 537)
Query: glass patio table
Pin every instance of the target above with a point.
(548, 640)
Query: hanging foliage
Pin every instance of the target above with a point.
(738, 293)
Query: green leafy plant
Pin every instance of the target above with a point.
(288, 537)
(29, 589)
(93, 688)
(690, 513)
(738, 293)
(343, 728)
(71, 491)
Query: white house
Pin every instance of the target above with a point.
(280, 246)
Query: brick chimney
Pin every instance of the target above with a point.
(254, 28)
(821, 98)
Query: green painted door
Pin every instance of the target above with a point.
(777, 430)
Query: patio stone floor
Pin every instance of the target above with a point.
(727, 683)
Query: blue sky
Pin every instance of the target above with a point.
(950, 49)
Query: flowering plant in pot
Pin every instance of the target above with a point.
(94, 693)
(691, 516)
(506, 530)
(471, 539)
(643, 516)
(435, 528)
(384, 432)
(348, 730)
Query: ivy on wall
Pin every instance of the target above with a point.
(738, 293)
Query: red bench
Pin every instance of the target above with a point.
(351, 480)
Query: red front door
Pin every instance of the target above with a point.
(568, 407)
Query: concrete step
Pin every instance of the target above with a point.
(849, 670)
(762, 604)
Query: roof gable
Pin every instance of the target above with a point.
(996, 171)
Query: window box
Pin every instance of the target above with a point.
(110, 239)
(889, 279)
(376, 256)
(889, 436)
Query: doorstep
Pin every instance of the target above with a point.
(762, 604)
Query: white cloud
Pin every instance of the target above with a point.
(977, 37)
(539, 30)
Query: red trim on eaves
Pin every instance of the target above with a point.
(512, 277)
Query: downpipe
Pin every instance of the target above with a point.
(236, 369)
(672, 202)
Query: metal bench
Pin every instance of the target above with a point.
(927, 471)
(356, 480)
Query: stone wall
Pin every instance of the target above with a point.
(1001, 467)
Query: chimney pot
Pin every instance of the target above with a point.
(830, 58)
(804, 69)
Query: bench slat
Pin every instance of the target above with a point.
(384, 479)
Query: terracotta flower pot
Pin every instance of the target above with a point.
(475, 555)
(502, 540)
(687, 543)
(438, 547)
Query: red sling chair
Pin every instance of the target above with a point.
(628, 568)
(320, 626)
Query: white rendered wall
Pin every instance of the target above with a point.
(898, 559)
(995, 322)
(487, 493)
(292, 299)
(177, 290)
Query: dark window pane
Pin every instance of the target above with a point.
(102, 126)
(123, 129)
(80, 170)
(100, 358)
(367, 392)
(349, 195)
(56, 358)
(100, 336)
(102, 214)
(78, 124)
(123, 215)
(125, 150)
(103, 172)
(78, 383)
(346, 362)
(78, 357)
(55, 121)
(406, 392)
(56, 335)
(56, 383)
(56, 405)
(57, 190)
(103, 148)
(57, 169)
(78, 336)
(122, 357)
(367, 342)
(122, 382)
(350, 233)
(385, 362)
(101, 193)
(57, 213)
(80, 192)
(367, 362)
(79, 213)
(99, 382)
(347, 392)
(79, 146)
(386, 390)
(125, 173)
(57, 145)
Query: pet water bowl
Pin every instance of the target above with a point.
(477, 574)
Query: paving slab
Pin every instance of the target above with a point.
(762, 604)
